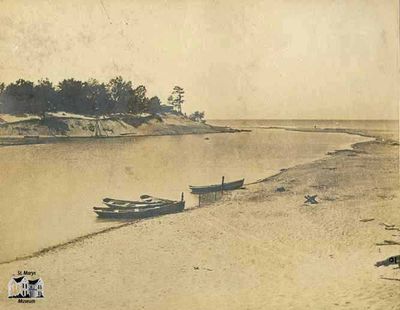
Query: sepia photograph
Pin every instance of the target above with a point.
(199, 154)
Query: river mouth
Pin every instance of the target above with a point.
(48, 191)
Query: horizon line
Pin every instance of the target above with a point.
(300, 119)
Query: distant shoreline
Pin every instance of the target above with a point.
(357, 132)
(57, 130)
(16, 141)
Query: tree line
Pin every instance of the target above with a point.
(84, 97)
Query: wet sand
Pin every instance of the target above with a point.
(255, 249)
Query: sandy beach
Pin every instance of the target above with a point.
(257, 248)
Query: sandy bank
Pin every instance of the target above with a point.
(386, 136)
(256, 249)
(54, 129)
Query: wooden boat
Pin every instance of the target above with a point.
(145, 200)
(217, 187)
(142, 212)
(133, 206)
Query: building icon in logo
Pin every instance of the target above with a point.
(21, 287)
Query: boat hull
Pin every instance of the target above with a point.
(217, 187)
(135, 213)
(133, 205)
(144, 203)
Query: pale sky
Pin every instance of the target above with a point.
(293, 59)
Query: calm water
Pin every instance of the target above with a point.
(379, 125)
(47, 191)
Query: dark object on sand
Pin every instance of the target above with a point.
(217, 187)
(367, 220)
(141, 210)
(393, 260)
(206, 138)
(280, 189)
(388, 242)
(387, 225)
(311, 199)
(392, 228)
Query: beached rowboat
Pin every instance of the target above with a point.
(134, 206)
(149, 211)
(217, 187)
(145, 200)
